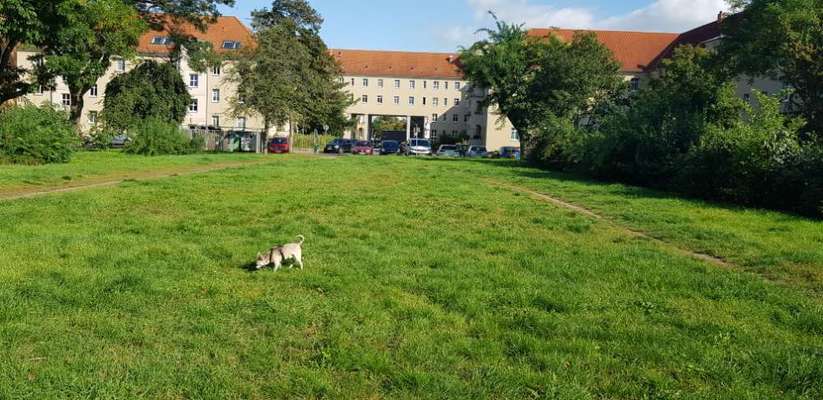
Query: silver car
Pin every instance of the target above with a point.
(448, 150)
(419, 147)
(476, 151)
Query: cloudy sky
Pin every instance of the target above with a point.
(444, 25)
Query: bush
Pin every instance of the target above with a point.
(34, 135)
(155, 137)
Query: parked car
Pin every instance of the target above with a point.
(418, 147)
(448, 150)
(338, 146)
(120, 141)
(363, 147)
(509, 152)
(389, 147)
(476, 151)
(279, 145)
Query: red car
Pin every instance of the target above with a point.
(363, 147)
(279, 145)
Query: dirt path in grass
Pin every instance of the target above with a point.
(116, 179)
(628, 231)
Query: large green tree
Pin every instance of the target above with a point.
(782, 39)
(21, 22)
(152, 90)
(307, 89)
(534, 81)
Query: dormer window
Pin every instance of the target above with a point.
(231, 44)
(160, 40)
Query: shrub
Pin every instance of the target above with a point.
(154, 137)
(34, 135)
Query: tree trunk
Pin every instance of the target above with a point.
(266, 126)
(77, 103)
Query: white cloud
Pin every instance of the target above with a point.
(659, 15)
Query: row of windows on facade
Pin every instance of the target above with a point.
(166, 41)
(412, 84)
(240, 122)
(514, 136)
(435, 101)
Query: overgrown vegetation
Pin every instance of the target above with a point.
(154, 137)
(33, 135)
(684, 131)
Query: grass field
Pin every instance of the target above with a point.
(424, 279)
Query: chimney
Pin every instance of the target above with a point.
(721, 16)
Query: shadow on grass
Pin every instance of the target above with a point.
(521, 169)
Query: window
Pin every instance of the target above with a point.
(435, 102)
(379, 83)
(436, 85)
(194, 80)
(66, 99)
(215, 70)
(456, 101)
(446, 85)
(352, 81)
(457, 85)
(215, 95)
(241, 123)
(193, 106)
(396, 99)
(424, 101)
(747, 97)
(411, 84)
(93, 117)
(434, 117)
(424, 84)
(445, 101)
(231, 44)
(456, 118)
(364, 99)
(120, 65)
(215, 121)
(454, 133)
(160, 40)
(397, 83)
(365, 82)
(379, 99)
(411, 100)
(515, 135)
(466, 117)
(434, 133)
(241, 99)
(93, 91)
(635, 84)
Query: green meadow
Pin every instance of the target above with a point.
(424, 279)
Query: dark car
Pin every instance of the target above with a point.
(338, 146)
(363, 147)
(390, 147)
(509, 152)
(279, 145)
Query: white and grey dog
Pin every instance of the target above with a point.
(278, 254)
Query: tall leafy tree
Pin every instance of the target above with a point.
(537, 82)
(307, 89)
(80, 46)
(21, 22)
(152, 90)
(782, 39)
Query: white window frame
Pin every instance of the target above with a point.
(412, 84)
(194, 80)
(93, 117)
(379, 99)
(380, 83)
(411, 100)
(445, 101)
(456, 101)
(435, 101)
(397, 83)
(436, 85)
(396, 99)
(194, 106)
(120, 65)
(364, 99)
(216, 70)
(241, 123)
(93, 91)
(365, 82)
(457, 86)
(66, 99)
(215, 95)
(215, 120)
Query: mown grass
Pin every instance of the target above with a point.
(87, 167)
(421, 281)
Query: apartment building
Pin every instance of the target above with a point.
(427, 90)
(210, 90)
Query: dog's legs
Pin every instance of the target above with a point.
(299, 260)
(276, 266)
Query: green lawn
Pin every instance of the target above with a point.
(423, 279)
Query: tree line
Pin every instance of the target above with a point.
(686, 130)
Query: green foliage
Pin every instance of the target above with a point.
(387, 124)
(32, 135)
(535, 80)
(20, 24)
(782, 39)
(152, 90)
(155, 137)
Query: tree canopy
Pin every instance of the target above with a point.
(152, 90)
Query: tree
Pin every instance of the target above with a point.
(22, 23)
(80, 46)
(782, 39)
(152, 90)
(307, 90)
(387, 124)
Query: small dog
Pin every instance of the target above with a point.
(278, 254)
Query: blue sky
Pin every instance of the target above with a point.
(443, 25)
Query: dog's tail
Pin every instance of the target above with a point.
(302, 239)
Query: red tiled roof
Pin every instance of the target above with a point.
(635, 51)
(225, 28)
(398, 64)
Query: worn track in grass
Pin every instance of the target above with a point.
(626, 230)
